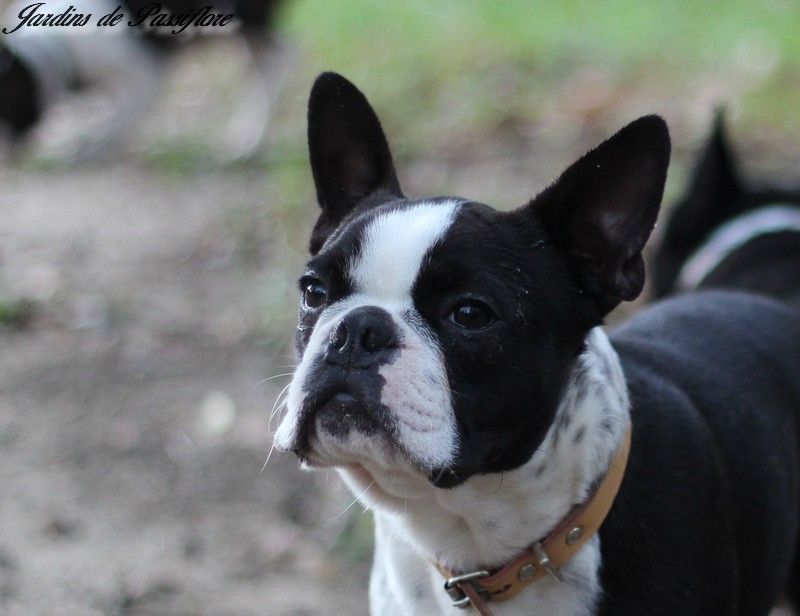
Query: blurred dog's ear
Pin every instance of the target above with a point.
(350, 158)
(715, 185)
(602, 209)
(714, 194)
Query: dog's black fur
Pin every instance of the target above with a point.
(706, 521)
(717, 193)
(767, 264)
(707, 518)
(20, 105)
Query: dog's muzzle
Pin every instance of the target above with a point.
(343, 385)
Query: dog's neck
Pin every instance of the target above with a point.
(732, 235)
(491, 518)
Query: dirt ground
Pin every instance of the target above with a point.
(133, 411)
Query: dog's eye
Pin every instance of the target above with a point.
(472, 314)
(315, 294)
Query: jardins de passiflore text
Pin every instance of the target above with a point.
(149, 16)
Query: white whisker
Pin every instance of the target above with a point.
(269, 455)
(277, 401)
(269, 378)
(343, 511)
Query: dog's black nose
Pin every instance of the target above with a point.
(363, 338)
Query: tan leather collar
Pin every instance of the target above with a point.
(547, 555)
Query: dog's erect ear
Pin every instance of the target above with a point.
(602, 209)
(714, 194)
(715, 184)
(350, 158)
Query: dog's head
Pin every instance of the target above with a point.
(436, 335)
(716, 193)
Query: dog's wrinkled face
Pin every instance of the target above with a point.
(436, 335)
(424, 334)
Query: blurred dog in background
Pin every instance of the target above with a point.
(39, 65)
(725, 233)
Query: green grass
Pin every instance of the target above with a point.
(617, 30)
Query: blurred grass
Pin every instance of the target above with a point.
(16, 313)
(419, 57)
(619, 30)
(353, 544)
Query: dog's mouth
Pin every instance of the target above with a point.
(341, 432)
(345, 430)
(332, 422)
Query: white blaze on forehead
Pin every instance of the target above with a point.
(394, 246)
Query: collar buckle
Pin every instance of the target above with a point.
(452, 586)
(543, 560)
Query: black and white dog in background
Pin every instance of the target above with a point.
(455, 372)
(725, 234)
(40, 64)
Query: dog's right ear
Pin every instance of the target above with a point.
(602, 209)
(350, 158)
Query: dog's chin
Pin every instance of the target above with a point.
(378, 464)
(346, 431)
(325, 452)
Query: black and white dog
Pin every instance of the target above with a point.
(40, 64)
(455, 372)
(725, 234)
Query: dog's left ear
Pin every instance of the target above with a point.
(350, 158)
(602, 209)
